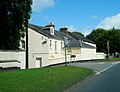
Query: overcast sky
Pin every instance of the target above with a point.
(78, 15)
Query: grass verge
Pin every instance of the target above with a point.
(109, 60)
(50, 79)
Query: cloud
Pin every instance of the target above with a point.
(110, 22)
(39, 5)
(94, 17)
(87, 30)
(72, 28)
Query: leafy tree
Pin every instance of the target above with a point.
(14, 16)
(95, 34)
(114, 39)
(101, 36)
(101, 42)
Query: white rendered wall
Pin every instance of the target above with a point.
(37, 48)
(7, 56)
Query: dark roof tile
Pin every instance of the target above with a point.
(74, 40)
(79, 43)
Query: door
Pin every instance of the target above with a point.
(38, 62)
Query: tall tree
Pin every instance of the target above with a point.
(111, 35)
(95, 34)
(101, 42)
(114, 39)
(14, 15)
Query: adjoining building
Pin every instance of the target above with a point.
(46, 46)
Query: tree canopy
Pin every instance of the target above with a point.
(101, 36)
(14, 16)
(95, 34)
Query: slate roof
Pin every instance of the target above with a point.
(79, 43)
(46, 33)
(74, 40)
(79, 37)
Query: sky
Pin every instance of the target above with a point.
(78, 15)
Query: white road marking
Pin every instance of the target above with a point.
(113, 64)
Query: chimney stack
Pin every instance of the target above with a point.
(50, 27)
(64, 29)
(50, 24)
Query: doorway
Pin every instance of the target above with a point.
(38, 62)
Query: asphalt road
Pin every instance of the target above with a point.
(97, 66)
(107, 81)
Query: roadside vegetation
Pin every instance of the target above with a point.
(105, 39)
(50, 79)
(109, 60)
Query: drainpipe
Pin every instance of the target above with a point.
(65, 43)
(26, 26)
(65, 56)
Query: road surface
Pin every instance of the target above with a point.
(106, 81)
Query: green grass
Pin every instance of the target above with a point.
(51, 79)
(109, 60)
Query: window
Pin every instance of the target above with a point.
(23, 44)
(55, 45)
(50, 43)
(69, 51)
(61, 45)
(42, 37)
